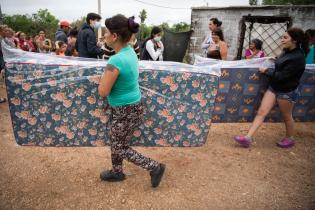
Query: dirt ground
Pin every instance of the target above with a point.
(219, 175)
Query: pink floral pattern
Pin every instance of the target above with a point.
(55, 105)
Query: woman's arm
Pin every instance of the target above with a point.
(205, 44)
(47, 46)
(223, 50)
(108, 79)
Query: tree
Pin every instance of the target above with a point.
(165, 26)
(253, 2)
(45, 21)
(78, 23)
(144, 30)
(19, 22)
(180, 27)
(284, 2)
(143, 16)
(177, 27)
(32, 24)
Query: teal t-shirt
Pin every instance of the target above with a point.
(126, 89)
(310, 56)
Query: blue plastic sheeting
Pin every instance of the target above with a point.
(241, 89)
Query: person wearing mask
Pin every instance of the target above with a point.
(218, 48)
(43, 44)
(86, 40)
(214, 23)
(310, 58)
(153, 47)
(61, 33)
(283, 86)
(120, 84)
(254, 50)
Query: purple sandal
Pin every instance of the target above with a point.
(286, 143)
(243, 140)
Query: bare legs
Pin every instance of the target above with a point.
(286, 108)
(266, 105)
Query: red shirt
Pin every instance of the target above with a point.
(27, 46)
(24, 45)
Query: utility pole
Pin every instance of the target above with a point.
(99, 32)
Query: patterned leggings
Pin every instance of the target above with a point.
(125, 120)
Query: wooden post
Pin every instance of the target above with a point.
(99, 31)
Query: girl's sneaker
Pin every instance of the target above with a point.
(111, 176)
(243, 140)
(286, 143)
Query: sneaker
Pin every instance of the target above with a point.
(156, 175)
(286, 143)
(243, 140)
(111, 176)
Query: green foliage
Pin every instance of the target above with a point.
(143, 15)
(180, 27)
(145, 31)
(165, 26)
(31, 25)
(253, 2)
(78, 23)
(19, 22)
(285, 2)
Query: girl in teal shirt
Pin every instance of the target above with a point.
(310, 58)
(120, 84)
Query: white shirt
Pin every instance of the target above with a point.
(156, 55)
(206, 43)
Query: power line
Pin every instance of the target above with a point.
(165, 7)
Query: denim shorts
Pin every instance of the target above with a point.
(291, 96)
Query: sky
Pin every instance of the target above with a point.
(74, 9)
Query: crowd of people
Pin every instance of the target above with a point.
(83, 43)
(119, 82)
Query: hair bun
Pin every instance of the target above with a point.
(219, 23)
(132, 25)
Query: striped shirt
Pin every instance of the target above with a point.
(110, 51)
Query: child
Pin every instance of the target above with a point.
(254, 50)
(61, 48)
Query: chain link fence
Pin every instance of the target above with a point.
(268, 29)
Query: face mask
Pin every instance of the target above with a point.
(157, 38)
(98, 25)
